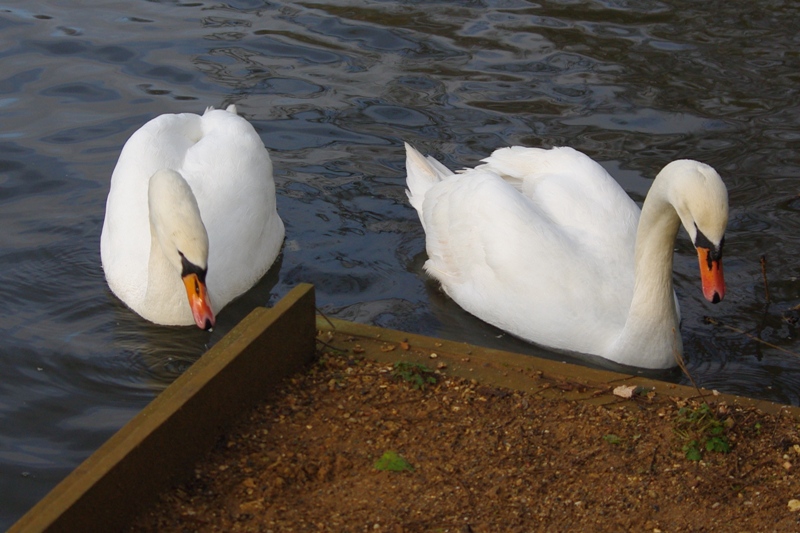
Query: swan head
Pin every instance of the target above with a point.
(701, 200)
(176, 224)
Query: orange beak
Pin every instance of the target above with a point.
(711, 276)
(199, 301)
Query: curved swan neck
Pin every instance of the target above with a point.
(175, 219)
(653, 319)
(163, 280)
(655, 240)
(176, 232)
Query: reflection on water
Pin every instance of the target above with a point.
(333, 89)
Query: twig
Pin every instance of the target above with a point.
(715, 322)
(652, 468)
(330, 346)
(328, 320)
(682, 365)
(764, 276)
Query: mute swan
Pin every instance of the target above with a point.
(545, 245)
(191, 205)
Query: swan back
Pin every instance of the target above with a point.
(230, 173)
(572, 191)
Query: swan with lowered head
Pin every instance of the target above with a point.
(545, 245)
(191, 219)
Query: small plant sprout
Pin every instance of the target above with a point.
(418, 375)
(392, 462)
(701, 431)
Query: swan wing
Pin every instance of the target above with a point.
(524, 248)
(573, 192)
(230, 173)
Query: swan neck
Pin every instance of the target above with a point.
(651, 335)
(176, 232)
(655, 241)
(163, 280)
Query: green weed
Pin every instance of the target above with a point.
(701, 431)
(418, 375)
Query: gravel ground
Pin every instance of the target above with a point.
(462, 456)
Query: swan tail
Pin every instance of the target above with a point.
(230, 109)
(422, 174)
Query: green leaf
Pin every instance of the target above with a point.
(718, 444)
(612, 439)
(416, 374)
(393, 462)
(692, 451)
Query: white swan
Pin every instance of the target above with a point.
(546, 245)
(191, 205)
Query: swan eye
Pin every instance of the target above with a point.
(714, 251)
(187, 267)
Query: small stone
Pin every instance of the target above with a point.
(251, 507)
(794, 505)
(625, 391)
(434, 355)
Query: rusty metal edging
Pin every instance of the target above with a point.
(161, 444)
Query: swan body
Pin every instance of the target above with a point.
(191, 219)
(545, 245)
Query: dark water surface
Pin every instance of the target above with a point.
(334, 88)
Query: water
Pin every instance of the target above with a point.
(334, 88)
